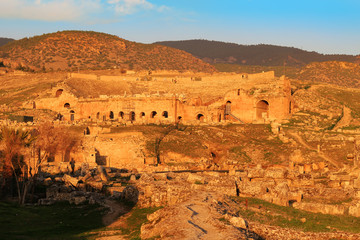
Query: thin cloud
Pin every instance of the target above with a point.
(73, 10)
(47, 10)
(127, 7)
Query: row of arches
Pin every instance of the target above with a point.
(132, 115)
(262, 112)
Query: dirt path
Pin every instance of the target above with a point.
(112, 220)
(322, 155)
(196, 218)
(116, 210)
(345, 120)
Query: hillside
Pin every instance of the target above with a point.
(4, 41)
(73, 50)
(338, 73)
(263, 55)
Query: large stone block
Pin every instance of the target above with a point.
(70, 180)
(256, 173)
(275, 173)
(354, 210)
(320, 208)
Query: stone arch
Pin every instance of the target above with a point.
(142, 115)
(111, 115)
(67, 105)
(200, 117)
(132, 116)
(153, 114)
(121, 115)
(59, 92)
(228, 108)
(165, 114)
(262, 109)
(72, 115)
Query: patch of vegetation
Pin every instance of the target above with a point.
(239, 151)
(135, 220)
(288, 217)
(59, 221)
(351, 127)
(349, 98)
(224, 221)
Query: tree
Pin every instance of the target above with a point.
(16, 160)
(14, 143)
(52, 140)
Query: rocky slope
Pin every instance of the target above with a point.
(338, 73)
(73, 50)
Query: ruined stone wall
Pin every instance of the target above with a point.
(262, 76)
(260, 102)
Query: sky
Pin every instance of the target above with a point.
(325, 26)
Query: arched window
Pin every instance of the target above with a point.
(153, 114)
(59, 92)
(87, 131)
(121, 115)
(34, 105)
(72, 115)
(67, 105)
(228, 108)
(165, 114)
(111, 115)
(132, 116)
(142, 114)
(98, 115)
(200, 117)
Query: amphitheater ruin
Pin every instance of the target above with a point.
(210, 99)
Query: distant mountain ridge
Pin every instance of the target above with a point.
(73, 50)
(262, 54)
(4, 41)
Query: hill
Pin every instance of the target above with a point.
(4, 41)
(263, 55)
(73, 50)
(338, 73)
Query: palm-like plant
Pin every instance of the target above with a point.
(14, 143)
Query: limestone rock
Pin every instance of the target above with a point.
(195, 178)
(130, 194)
(103, 174)
(70, 180)
(238, 222)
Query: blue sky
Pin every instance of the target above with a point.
(326, 26)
